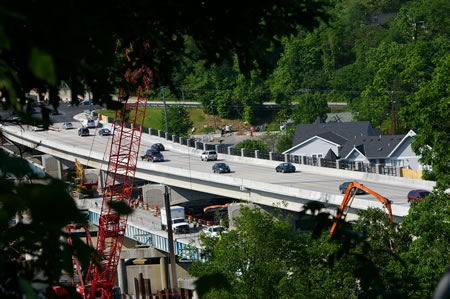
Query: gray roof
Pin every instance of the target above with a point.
(372, 146)
(333, 138)
(330, 155)
(345, 131)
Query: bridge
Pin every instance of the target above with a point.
(251, 180)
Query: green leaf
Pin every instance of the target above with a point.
(42, 66)
(212, 281)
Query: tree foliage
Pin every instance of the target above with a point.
(33, 250)
(178, 120)
(372, 258)
(251, 144)
(309, 107)
(428, 112)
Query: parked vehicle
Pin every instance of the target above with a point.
(104, 132)
(221, 168)
(416, 195)
(87, 102)
(37, 128)
(343, 188)
(285, 167)
(179, 225)
(209, 155)
(88, 123)
(67, 126)
(214, 231)
(83, 132)
(158, 147)
(153, 155)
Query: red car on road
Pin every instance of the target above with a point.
(416, 195)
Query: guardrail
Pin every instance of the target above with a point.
(272, 156)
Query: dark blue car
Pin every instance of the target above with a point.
(285, 167)
(104, 132)
(343, 188)
(221, 168)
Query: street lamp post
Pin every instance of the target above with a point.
(163, 90)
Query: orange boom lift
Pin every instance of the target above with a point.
(348, 198)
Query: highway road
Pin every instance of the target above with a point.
(182, 159)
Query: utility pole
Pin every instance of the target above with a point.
(173, 265)
(163, 90)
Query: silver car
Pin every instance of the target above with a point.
(67, 126)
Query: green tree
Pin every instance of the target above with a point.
(36, 243)
(428, 112)
(178, 120)
(428, 255)
(251, 259)
(308, 107)
(286, 139)
(251, 144)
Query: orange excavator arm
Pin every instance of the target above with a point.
(349, 194)
(214, 207)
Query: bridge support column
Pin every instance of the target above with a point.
(163, 271)
(101, 180)
(256, 154)
(53, 166)
(122, 275)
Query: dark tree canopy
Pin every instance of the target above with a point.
(47, 43)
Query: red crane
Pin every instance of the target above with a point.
(123, 157)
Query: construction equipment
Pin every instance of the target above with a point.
(348, 198)
(82, 184)
(123, 157)
(214, 207)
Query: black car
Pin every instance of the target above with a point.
(285, 167)
(158, 147)
(221, 168)
(343, 188)
(83, 132)
(153, 155)
(104, 132)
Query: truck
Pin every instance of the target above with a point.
(88, 123)
(179, 225)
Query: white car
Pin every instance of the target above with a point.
(214, 231)
(67, 126)
(209, 155)
(88, 123)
